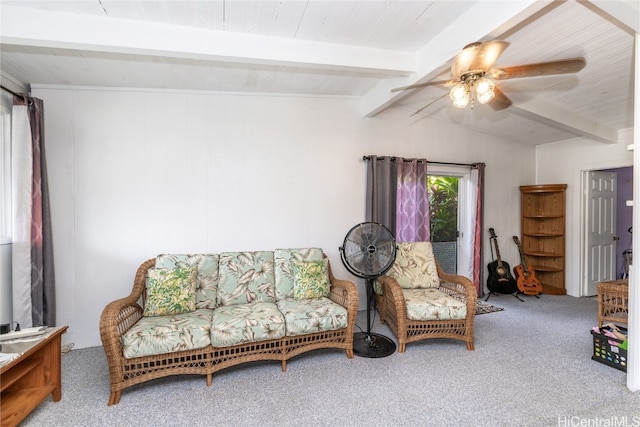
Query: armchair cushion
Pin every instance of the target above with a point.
(415, 266)
(432, 304)
(170, 291)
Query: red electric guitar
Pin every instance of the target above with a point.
(526, 279)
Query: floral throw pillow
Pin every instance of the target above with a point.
(310, 279)
(170, 291)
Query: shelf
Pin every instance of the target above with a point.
(543, 225)
(536, 234)
(546, 269)
(20, 371)
(544, 254)
(552, 290)
(16, 405)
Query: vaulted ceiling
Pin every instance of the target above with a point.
(359, 49)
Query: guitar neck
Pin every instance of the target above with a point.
(523, 261)
(495, 242)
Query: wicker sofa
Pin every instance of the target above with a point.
(198, 314)
(419, 301)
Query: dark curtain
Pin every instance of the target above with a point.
(477, 173)
(382, 184)
(397, 196)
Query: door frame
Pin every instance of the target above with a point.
(584, 180)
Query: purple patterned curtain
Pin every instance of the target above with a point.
(33, 272)
(412, 201)
(477, 175)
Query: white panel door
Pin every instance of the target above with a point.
(601, 238)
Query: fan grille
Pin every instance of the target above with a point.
(369, 250)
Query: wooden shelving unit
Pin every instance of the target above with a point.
(543, 234)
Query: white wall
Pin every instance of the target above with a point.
(137, 173)
(565, 162)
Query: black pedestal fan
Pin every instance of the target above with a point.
(369, 250)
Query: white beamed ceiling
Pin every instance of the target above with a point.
(359, 49)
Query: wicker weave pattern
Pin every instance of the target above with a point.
(613, 301)
(120, 315)
(393, 311)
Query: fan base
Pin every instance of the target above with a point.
(372, 345)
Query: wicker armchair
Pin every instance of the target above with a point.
(418, 300)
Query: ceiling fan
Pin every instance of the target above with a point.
(473, 74)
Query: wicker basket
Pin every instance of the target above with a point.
(613, 301)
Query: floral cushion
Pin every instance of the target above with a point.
(377, 287)
(432, 304)
(207, 279)
(415, 266)
(240, 323)
(170, 291)
(310, 279)
(283, 271)
(165, 334)
(245, 277)
(312, 315)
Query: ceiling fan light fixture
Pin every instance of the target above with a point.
(484, 90)
(460, 95)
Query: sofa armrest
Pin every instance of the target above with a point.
(345, 293)
(118, 317)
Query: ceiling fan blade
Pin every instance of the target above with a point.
(566, 66)
(419, 85)
(429, 104)
(500, 100)
(478, 57)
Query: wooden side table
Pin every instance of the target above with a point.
(613, 301)
(29, 378)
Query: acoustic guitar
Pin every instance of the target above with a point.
(500, 279)
(526, 279)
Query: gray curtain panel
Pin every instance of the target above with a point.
(382, 176)
(43, 304)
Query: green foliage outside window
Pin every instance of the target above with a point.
(443, 203)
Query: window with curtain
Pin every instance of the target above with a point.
(26, 213)
(397, 197)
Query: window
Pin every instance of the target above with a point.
(451, 217)
(443, 207)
